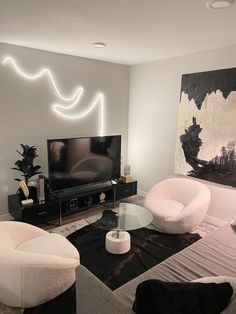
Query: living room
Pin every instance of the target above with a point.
(89, 70)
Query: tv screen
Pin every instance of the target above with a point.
(79, 161)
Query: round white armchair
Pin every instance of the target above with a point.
(35, 266)
(178, 205)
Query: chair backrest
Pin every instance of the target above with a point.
(7, 240)
(12, 233)
(182, 190)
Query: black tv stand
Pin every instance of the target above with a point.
(59, 205)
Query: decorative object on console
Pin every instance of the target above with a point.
(25, 190)
(102, 197)
(178, 204)
(206, 141)
(127, 170)
(41, 190)
(126, 178)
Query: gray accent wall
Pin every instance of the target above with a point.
(25, 106)
(153, 117)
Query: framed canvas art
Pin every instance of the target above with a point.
(206, 136)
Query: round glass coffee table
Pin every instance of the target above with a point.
(122, 219)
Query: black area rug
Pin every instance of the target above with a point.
(148, 248)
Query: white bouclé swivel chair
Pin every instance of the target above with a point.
(178, 205)
(35, 266)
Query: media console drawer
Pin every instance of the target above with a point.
(35, 213)
(40, 213)
(126, 190)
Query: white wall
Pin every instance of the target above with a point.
(25, 107)
(153, 114)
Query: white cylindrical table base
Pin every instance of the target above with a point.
(117, 245)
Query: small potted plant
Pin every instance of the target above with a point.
(27, 167)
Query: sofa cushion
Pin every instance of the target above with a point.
(155, 296)
(51, 244)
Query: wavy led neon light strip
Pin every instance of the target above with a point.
(98, 100)
(41, 73)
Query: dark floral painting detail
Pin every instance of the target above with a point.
(191, 144)
(221, 169)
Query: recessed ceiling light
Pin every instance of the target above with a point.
(99, 45)
(219, 4)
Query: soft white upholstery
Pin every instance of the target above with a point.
(50, 243)
(178, 205)
(35, 266)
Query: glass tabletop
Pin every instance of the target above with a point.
(125, 217)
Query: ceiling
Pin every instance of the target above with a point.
(135, 31)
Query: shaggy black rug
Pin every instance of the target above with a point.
(148, 248)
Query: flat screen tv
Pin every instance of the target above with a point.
(75, 162)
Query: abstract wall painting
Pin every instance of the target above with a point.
(206, 137)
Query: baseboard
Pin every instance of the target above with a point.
(6, 217)
(215, 221)
(141, 193)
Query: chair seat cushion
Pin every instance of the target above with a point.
(165, 208)
(51, 244)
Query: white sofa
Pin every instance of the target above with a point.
(35, 266)
(178, 205)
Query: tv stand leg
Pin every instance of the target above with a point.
(114, 198)
(60, 216)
